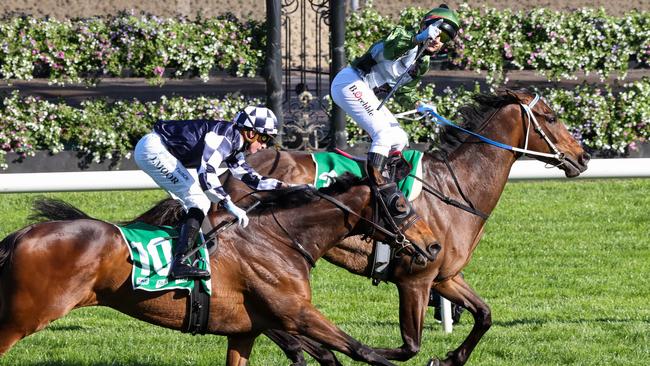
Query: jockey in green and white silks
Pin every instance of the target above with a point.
(353, 89)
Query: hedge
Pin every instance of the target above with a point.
(556, 44)
(606, 123)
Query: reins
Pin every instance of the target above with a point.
(296, 244)
(528, 109)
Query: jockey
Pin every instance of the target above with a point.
(353, 89)
(173, 146)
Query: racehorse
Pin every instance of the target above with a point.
(463, 181)
(49, 268)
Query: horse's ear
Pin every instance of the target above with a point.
(513, 94)
(522, 95)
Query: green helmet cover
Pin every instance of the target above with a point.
(450, 24)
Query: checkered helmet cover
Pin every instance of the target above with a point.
(260, 119)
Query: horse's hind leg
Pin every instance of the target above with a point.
(460, 293)
(312, 324)
(239, 349)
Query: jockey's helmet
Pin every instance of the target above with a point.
(450, 24)
(259, 119)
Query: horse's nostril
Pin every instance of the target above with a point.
(584, 159)
(434, 249)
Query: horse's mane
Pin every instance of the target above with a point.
(170, 212)
(473, 116)
(50, 209)
(167, 212)
(299, 196)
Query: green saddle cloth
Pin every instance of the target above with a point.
(151, 253)
(330, 165)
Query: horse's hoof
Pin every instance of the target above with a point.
(433, 362)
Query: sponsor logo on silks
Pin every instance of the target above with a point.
(142, 281)
(161, 283)
(158, 165)
(180, 172)
(359, 95)
(328, 177)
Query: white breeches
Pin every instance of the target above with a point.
(356, 98)
(153, 158)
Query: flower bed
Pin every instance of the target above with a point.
(147, 46)
(556, 44)
(606, 123)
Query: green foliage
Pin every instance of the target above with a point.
(147, 46)
(562, 264)
(556, 44)
(606, 123)
(99, 130)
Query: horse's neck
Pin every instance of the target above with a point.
(316, 228)
(481, 169)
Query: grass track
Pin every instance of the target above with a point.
(564, 265)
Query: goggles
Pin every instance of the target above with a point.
(252, 136)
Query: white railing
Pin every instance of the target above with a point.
(135, 179)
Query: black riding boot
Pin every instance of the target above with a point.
(375, 166)
(189, 230)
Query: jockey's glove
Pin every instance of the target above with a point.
(240, 214)
(424, 108)
(431, 32)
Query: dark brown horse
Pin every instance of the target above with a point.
(465, 170)
(49, 268)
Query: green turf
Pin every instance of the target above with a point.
(564, 265)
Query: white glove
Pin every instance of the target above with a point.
(430, 32)
(237, 212)
(425, 108)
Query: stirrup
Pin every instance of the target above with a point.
(183, 270)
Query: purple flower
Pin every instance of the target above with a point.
(60, 55)
(159, 70)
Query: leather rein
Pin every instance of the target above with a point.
(469, 207)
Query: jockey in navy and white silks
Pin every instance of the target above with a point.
(174, 146)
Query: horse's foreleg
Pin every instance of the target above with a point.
(311, 323)
(459, 292)
(413, 300)
(289, 344)
(239, 349)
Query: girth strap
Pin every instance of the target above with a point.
(198, 308)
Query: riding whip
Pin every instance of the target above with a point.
(223, 225)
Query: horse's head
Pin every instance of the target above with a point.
(407, 232)
(544, 133)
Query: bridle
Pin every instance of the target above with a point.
(528, 109)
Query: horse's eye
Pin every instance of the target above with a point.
(551, 119)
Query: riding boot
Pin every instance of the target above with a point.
(188, 234)
(375, 166)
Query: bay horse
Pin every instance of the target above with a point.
(463, 172)
(49, 268)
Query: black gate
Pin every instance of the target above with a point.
(309, 121)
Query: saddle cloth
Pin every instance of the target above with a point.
(330, 165)
(150, 248)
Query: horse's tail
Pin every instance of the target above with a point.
(167, 212)
(8, 246)
(49, 209)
